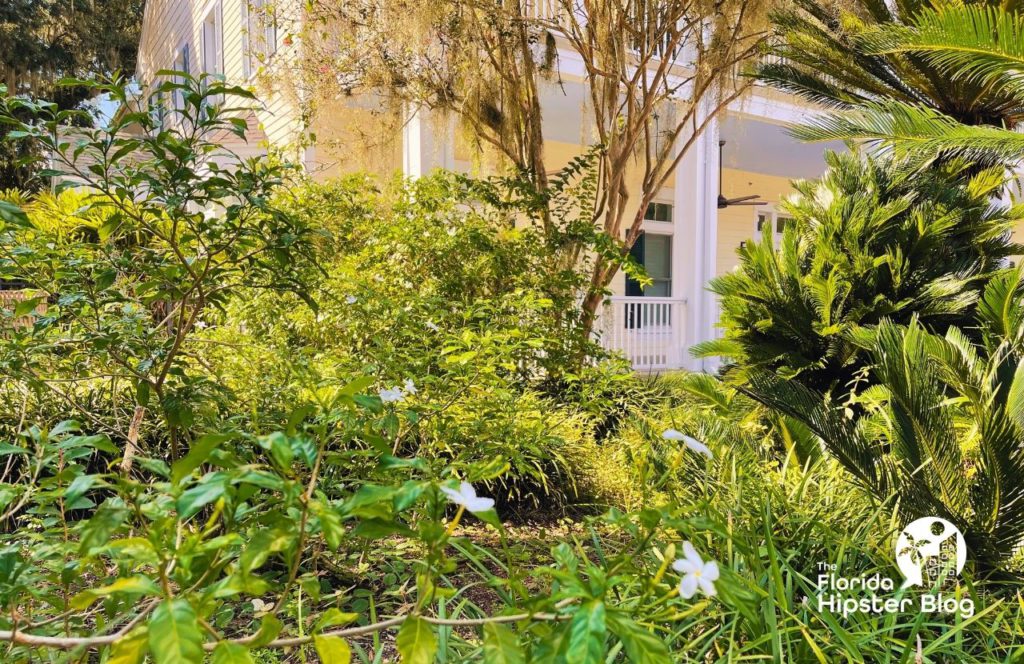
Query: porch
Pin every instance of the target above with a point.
(723, 196)
(647, 331)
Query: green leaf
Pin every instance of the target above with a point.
(97, 530)
(641, 646)
(416, 641)
(197, 454)
(297, 417)
(25, 307)
(334, 617)
(490, 517)
(280, 449)
(110, 225)
(261, 545)
(131, 648)
(14, 215)
(78, 487)
(357, 386)
(501, 646)
(174, 636)
(105, 280)
(195, 498)
(270, 627)
(142, 393)
(231, 653)
(330, 524)
(133, 585)
(587, 634)
(332, 649)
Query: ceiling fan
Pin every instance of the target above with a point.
(724, 202)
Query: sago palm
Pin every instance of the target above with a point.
(823, 55)
(973, 46)
(940, 431)
(868, 241)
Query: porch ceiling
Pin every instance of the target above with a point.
(763, 147)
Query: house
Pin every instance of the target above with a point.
(689, 236)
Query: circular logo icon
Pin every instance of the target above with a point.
(927, 547)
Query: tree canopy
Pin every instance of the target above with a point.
(44, 41)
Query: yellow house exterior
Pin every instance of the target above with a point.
(688, 239)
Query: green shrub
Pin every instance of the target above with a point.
(869, 242)
(162, 236)
(422, 282)
(942, 422)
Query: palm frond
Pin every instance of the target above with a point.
(916, 134)
(980, 44)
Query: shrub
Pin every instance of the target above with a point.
(869, 242)
(942, 426)
(164, 234)
(424, 282)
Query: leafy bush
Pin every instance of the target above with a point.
(425, 282)
(163, 235)
(884, 326)
(869, 242)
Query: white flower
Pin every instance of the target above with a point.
(696, 573)
(201, 324)
(391, 396)
(350, 299)
(692, 443)
(466, 496)
(410, 387)
(431, 325)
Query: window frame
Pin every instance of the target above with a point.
(655, 206)
(773, 214)
(214, 51)
(257, 19)
(183, 64)
(667, 280)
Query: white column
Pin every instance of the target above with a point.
(695, 241)
(709, 329)
(426, 143)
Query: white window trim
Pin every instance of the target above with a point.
(772, 213)
(246, 56)
(660, 227)
(257, 52)
(216, 10)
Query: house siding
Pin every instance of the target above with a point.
(169, 23)
(738, 223)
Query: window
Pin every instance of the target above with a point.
(259, 38)
(182, 63)
(654, 252)
(213, 41)
(659, 212)
(775, 221)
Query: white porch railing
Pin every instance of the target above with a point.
(648, 331)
